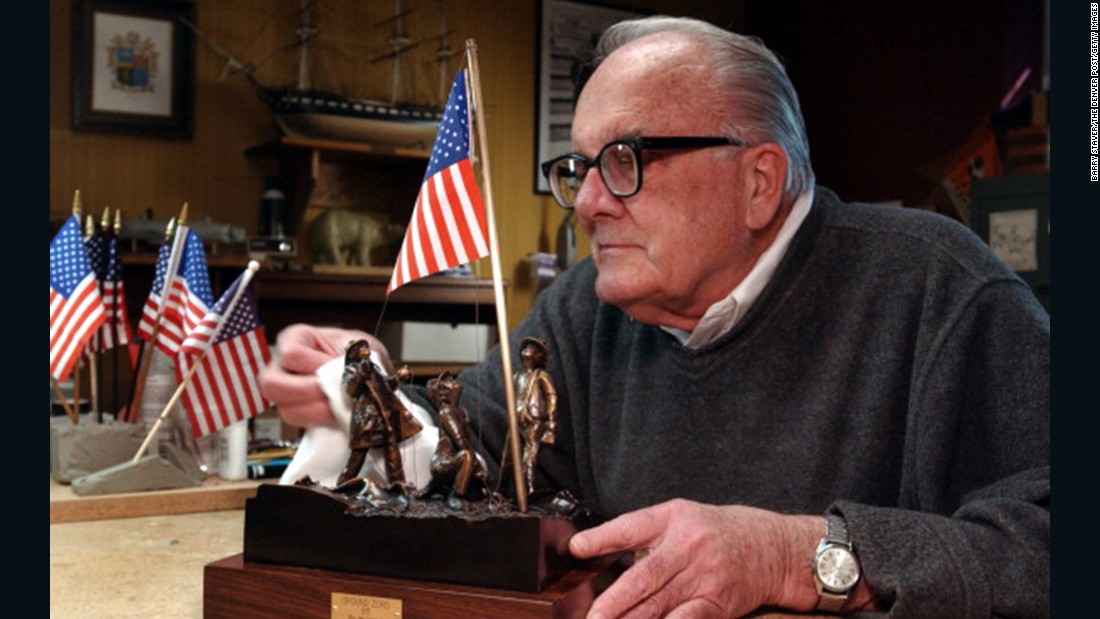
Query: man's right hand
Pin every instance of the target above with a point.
(289, 382)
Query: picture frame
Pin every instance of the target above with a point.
(133, 67)
(567, 32)
(1012, 215)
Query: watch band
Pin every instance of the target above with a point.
(836, 532)
(830, 602)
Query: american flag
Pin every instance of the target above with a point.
(225, 387)
(117, 330)
(95, 245)
(189, 298)
(448, 226)
(76, 308)
(103, 254)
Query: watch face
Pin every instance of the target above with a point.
(837, 569)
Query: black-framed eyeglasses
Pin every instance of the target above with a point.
(619, 163)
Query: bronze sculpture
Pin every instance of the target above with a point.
(455, 464)
(460, 528)
(378, 418)
(536, 404)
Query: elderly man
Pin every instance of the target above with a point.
(785, 401)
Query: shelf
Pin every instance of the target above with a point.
(370, 287)
(358, 300)
(289, 144)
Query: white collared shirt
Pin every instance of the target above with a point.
(724, 314)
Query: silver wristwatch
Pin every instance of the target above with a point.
(835, 566)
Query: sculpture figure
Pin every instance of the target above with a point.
(378, 418)
(536, 404)
(455, 464)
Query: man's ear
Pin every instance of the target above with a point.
(767, 174)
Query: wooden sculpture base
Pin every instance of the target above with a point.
(309, 526)
(237, 589)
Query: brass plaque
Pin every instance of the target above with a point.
(348, 606)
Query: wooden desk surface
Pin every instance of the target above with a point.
(141, 554)
(149, 567)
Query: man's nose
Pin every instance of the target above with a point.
(595, 199)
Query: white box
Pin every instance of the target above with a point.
(437, 342)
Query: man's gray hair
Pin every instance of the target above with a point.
(746, 73)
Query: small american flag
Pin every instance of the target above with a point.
(231, 350)
(96, 247)
(117, 331)
(103, 254)
(76, 308)
(189, 298)
(448, 226)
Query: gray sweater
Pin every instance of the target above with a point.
(894, 370)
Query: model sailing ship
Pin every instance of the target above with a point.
(306, 110)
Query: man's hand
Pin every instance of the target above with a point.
(704, 561)
(288, 381)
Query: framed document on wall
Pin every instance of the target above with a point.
(132, 66)
(567, 34)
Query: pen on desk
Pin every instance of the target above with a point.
(268, 469)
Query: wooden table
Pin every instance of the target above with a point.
(140, 554)
(148, 567)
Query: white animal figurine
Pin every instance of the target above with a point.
(346, 237)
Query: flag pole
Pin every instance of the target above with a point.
(93, 343)
(105, 225)
(172, 231)
(73, 416)
(77, 380)
(74, 407)
(112, 238)
(246, 279)
(498, 286)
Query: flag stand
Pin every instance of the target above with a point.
(176, 468)
(78, 449)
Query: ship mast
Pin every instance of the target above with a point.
(443, 56)
(398, 41)
(306, 33)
